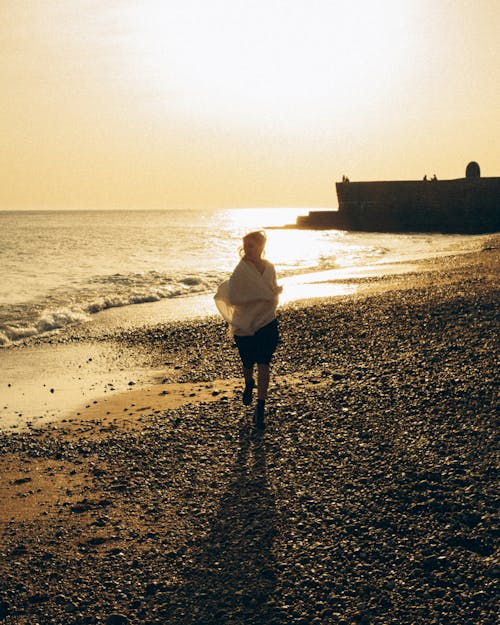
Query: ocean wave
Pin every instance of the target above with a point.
(48, 321)
(119, 291)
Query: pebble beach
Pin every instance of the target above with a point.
(370, 498)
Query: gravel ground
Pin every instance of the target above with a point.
(369, 499)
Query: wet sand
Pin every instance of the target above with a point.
(369, 498)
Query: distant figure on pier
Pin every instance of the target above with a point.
(434, 177)
(425, 177)
(345, 179)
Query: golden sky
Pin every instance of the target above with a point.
(240, 103)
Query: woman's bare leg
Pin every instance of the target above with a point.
(262, 386)
(249, 384)
(263, 381)
(248, 375)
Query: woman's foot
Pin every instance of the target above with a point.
(247, 393)
(259, 414)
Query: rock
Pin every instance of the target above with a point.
(38, 598)
(22, 480)
(116, 619)
(4, 607)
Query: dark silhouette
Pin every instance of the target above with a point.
(231, 575)
(248, 302)
(466, 205)
(473, 170)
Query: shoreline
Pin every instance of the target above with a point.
(313, 282)
(53, 377)
(369, 498)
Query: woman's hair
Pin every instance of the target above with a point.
(259, 236)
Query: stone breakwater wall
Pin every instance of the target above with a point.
(465, 205)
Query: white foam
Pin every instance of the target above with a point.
(48, 321)
(14, 333)
(57, 319)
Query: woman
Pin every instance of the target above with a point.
(248, 301)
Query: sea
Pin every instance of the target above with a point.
(63, 268)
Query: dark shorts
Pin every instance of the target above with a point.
(260, 347)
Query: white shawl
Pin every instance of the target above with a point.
(248, 300)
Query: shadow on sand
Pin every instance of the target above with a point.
(231, 576)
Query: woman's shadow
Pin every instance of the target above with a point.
(231, 577)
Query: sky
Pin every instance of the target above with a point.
(240, 103)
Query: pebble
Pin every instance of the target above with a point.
(116, 619)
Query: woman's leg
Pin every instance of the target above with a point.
(244, 344)
(248, 375)
(263, 381)
(262, 386)
(266, 346)
(249, 385)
